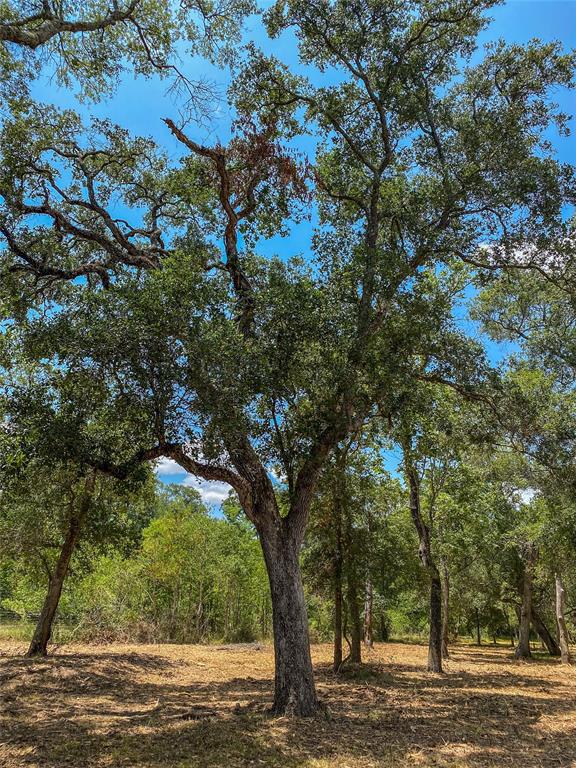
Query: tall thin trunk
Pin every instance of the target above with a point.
(523, 648)
(384, 632)
(478, 628)
(294, 689)
(356, 622)
(43, 631)
(368, 600)
(565, 655)
(445, 584)
(435, 643)
(352, 597)
(368, 630)
(337, 663)
(338, 586)
(425, 554)
(544, 634)
(510, 631)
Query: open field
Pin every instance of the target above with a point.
(186, 706)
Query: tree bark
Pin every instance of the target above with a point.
(368, 601)
(384, 632)
(43, 631)
(337, 662)
(338, 588)
(523, 648)
(435, 643)
(48, 24)
(445, 583)
(544, 634)
(294, 689)
(281, 539)
(425, 554)
(352, 598)
(478, 628)
(565, 655)
(356, 629)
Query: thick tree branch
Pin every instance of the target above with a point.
(240, 281)
(38, 29)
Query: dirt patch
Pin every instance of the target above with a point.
(172, 706)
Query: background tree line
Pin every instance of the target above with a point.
(151, 563)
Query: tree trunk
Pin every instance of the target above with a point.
(565, 656)
(338, 589)
(544, 634)
(356, 629)
(43, 630)
(425, 554)
(384, 632)
(352, 598)
(294, 689)
(368, 634)
(445, 584)
(478, 628)
(337, 663)
(523, 648)
(281, 539)
(510, 630)
(435, 643)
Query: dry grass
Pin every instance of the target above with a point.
(201, 707)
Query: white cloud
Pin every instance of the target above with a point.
(526, 495)
(167, 467)
(211, 492)
(551, 260)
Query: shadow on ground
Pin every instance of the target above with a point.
(193, 709)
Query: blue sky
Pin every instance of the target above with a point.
(140, 105)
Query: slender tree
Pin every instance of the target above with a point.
(560, 618)
(78, 512)
(77, 507)
(529, 557)
(428, 562)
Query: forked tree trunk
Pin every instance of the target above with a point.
(425, 554)
(565, 655)
(523, 648)
(43, 631)
(294, 689)
(445, 583)
(544, 634)
(368, 601)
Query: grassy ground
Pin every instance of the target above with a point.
(200, 707)
(16, 632)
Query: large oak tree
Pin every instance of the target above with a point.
(232, 363)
